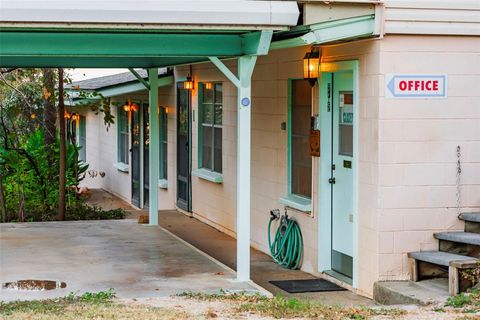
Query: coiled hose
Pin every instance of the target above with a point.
(287, 246)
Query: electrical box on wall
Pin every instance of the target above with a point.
(315, 122)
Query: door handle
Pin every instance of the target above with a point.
(331, 180)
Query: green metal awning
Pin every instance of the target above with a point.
(326, 32)
(108, 49)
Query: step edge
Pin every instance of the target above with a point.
(464, 216)
(439, 236)
(452, 257)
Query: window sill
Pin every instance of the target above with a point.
(208, 175)
(297, 202)
(163, 184)
(122, 167)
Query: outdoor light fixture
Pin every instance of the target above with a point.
(128, 107)
(311, 66)
(67, 115)
(208, 86)
(189, 83)
(75, 117)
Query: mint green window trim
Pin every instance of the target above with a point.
(122, 136)
(163, 145)
(210, 120)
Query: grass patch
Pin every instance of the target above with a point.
(56, 306)
(469, 302)
(280, 307)
(98, 305)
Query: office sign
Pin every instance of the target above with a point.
(402, 86)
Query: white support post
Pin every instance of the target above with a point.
(154, 151)
(244, 110)
(245, 69)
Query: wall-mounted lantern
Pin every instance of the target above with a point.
(130, 107)
(208, 86)
(189, 84)
(311, 66)
(67, 115)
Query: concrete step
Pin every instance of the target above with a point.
(470, 216)
(462, 243)
(407, 292)
(472, 221)
(459, 237)
(437, 257)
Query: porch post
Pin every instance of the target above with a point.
(243, 82)
(245, 69)
(154, 152)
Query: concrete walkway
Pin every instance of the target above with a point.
(137, 261)
(263, 269)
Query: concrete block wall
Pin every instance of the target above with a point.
(417, 147)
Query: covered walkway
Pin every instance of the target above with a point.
(153, 34)
(136, 261)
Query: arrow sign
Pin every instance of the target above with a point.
(400, 86)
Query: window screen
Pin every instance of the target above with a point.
(123, 153)
(301, 161)
(211, 126)
(82, 139)
(163, 143)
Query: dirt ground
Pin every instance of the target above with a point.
(195, 309)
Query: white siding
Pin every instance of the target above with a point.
(442, 17)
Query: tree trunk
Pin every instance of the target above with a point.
(63, 148)
(2, 201)
(49, 111)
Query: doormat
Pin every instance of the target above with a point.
(307, 285)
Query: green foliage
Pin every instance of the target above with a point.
(30, 178)
(470, 301)
(98, 104)
(93, 297)
(56, 306)
(81, 211)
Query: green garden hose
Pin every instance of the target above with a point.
(287, 246)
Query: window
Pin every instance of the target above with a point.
(163, 143)
(122, 126)
(210, 128)
(76, 134)
(300, 170)
(82, 139)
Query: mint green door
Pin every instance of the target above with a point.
(342, 178)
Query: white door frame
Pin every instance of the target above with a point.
(324, 194)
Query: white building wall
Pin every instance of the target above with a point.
(417, 147)
(441, 17)
(101, 155)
